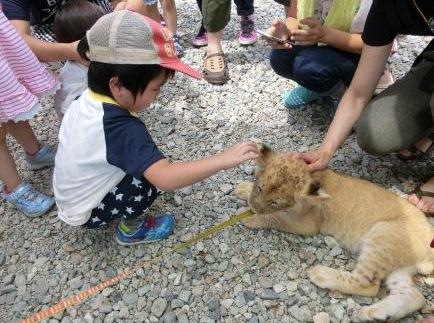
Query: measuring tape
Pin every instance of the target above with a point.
(81, 296)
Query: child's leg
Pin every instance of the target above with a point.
(127, 201)
(170, 14)
(152, 10)
(22, 132)
(8, 171)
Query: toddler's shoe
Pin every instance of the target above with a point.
(201, 39)
(150, 230)
(248, 34)
(43, 158)
(178, 48)
(28, 200)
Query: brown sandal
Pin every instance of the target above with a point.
(413, 153)
(419, 194)
(215, 69)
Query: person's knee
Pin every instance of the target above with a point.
(279, 62)
(370, 136)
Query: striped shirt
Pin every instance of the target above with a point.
(22, 77)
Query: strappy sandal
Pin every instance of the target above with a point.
(419, 194)
(215, 69)
(414, 153)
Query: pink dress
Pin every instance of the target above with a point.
(22, 77)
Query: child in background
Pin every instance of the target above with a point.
(149, 8)
(22, 80)
(72, 21)
(107, 165)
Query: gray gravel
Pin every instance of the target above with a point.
(236, 276)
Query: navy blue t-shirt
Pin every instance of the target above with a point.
(39, 12)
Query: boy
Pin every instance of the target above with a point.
(107, 165)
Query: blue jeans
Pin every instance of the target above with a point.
(317, 68)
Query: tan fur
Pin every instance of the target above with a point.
(391, 235)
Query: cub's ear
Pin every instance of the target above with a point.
(266, 153)
(316, 190)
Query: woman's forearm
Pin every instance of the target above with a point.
(342, 40)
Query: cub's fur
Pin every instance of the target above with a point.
(391, 236)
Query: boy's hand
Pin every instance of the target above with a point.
(238, 153)
(314, 34)
(278, 29)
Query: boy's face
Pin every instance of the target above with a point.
(126, 99)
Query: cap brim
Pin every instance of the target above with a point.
(183, 68)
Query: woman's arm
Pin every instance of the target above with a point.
(46, 51)
(318, 33)
(361, 89)
(170, 176)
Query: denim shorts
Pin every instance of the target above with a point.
(149, 2)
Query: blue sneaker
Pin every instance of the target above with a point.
(178, 48)
(28, 200)
(150, 230)
(43, 158)
(298, 97)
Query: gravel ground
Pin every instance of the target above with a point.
(236, 276)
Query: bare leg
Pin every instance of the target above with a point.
(8, 171)
(152, 12)
(214, 43)
(22, 132)
(170, 15)
(425, 203)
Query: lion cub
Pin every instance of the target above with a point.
(391, 236)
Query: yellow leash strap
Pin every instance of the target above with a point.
(81, 296)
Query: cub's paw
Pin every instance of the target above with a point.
(243, 190)
(321, 276)
(253, 222)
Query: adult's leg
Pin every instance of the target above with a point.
(317, 68)
(215, 15)
(398, 117)
(425, 203)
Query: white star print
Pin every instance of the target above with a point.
(129, 210)
(150, 192)
(138, 198)
(96, 219)
(119, 197)
(113, 190)
(114, 211)
(136, 183)
(101, 206)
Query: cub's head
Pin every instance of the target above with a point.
(282, 183)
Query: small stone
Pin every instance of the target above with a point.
(2, 259)
(226, 188)
(68, 247)
(184, 296)
(176, 303)
(130, 298)
(263, 262)
(200, 246)
(223, 247)
(321, 317)
(265, 282)
(227, 302)
(249, 296)
(169, 318)
(209, 259)
(336, 250)
(177, 199)
(158, 307)
(302, 313)
(337, 312)
(269, 294)
(278, 288)
(291, 287)
(213, 304)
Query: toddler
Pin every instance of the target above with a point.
(72, 21)
(22, 80)
(107, 165)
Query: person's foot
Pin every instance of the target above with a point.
(298, 97)
(178, 48)
(201, 39)
(43, 158)
(28, 200)
(428, 319)
(150, 230)
(420, 149)
(423, 200)
(247, 34)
